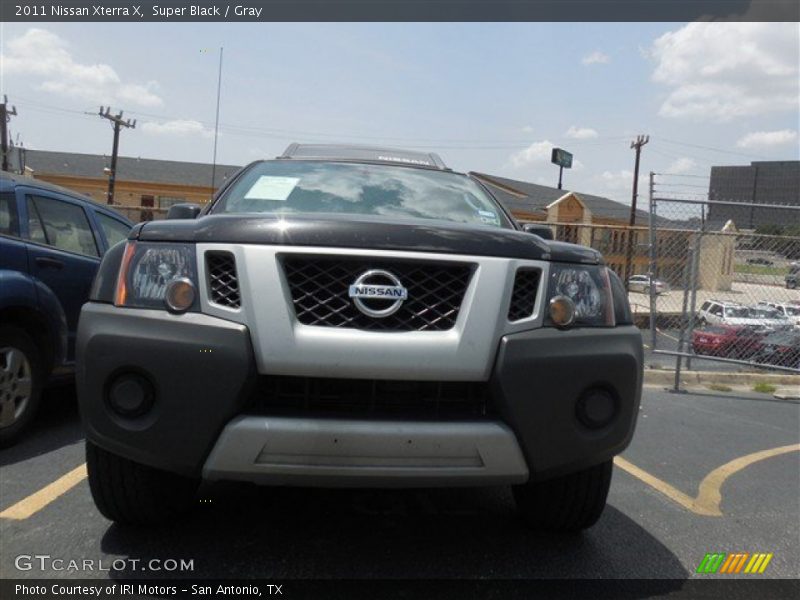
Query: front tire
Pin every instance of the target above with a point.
(21, 379)
(565, 504)
(130, 493)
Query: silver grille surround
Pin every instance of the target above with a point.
(284, 346)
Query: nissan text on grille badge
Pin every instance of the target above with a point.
(371, 288)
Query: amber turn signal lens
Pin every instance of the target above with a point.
(562, 311)
(180, 295)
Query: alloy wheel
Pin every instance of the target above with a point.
(16, 384)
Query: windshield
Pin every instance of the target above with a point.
(292, 187)
(792, 311)
(767, 313)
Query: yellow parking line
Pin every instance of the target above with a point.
(709, 496)
(709, 492)
(662, 486)
(38, 500)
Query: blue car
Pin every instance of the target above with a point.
(51, 243)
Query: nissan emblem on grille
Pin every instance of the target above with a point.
(373, 297)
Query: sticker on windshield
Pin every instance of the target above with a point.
(487, 216)
(269, 187)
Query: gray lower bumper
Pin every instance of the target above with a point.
(350, 453)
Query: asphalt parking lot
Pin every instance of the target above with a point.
(705, 473)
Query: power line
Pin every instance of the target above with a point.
(492, 144)
(712, 149)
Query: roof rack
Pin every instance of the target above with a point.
(344, 152)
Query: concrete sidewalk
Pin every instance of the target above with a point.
(787, 385)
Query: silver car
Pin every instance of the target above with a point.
(641, 283)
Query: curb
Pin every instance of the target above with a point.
(665, 377)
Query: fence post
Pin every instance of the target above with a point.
(698, 245)
(682, 335)
(651, 223)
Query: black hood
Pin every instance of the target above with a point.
(364, 233)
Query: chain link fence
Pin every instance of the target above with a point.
(722, 282)
(702, 287)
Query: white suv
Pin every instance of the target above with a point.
(791, 311)
(725, 313)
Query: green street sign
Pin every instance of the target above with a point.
(562, 158)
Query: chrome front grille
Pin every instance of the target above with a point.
(523, 298)
(223, 280)
(319, 289)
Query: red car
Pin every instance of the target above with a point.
(726, 341)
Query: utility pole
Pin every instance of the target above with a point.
(5, 117)
(118, 123)
(637, 144)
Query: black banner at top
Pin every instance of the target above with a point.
(397, 10)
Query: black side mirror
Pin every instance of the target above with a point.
(186, 210)
(543, 231)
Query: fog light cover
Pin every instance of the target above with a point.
(596, 408)
(130, 395)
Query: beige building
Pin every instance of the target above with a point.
(144, 188)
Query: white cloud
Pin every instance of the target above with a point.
(721, 71)
(617, 180)
(178, 127)
(596, 58)
(527, 129)
(581, 133)
(537, 152)
(764, 139)
(45, 55)
(681, 165)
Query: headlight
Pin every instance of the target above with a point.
(578, 296)
(157, 275)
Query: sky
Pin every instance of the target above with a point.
(488, 97)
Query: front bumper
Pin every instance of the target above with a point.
(342, 453)
(203, 370)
